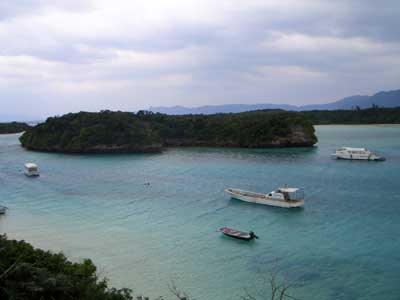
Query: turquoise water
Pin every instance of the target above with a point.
(343, 245)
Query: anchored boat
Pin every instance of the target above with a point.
(356, 154)
(241, 235)
(31, 169)
(282, 197)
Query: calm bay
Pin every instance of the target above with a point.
(344, 244)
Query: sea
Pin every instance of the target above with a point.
(150, 221)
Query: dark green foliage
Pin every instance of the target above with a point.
(13, 127)
(92, 132)
(373, 115)
(27, 273)
(145, 131)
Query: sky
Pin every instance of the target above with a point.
(59, 56)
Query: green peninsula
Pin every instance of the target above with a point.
(13, 127)
(124, 132)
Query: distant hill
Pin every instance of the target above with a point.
(382, 99)
(13, 127)
(373, 115)
(212, 109)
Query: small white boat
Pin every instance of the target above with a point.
(282, 197)
(31, 169)
(3, 209)
(356, 154)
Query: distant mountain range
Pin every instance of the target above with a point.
(381, 99)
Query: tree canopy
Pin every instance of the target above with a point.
(373, 115)
(144, 131)
(13, 127)
(27, 273)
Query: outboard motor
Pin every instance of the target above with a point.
(252, 234)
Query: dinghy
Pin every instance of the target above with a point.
(246, 236)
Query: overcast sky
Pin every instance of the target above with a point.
(58, 56)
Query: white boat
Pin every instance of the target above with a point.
(31, 169)
(356, 153)
(282, 197)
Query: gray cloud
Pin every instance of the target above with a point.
(12, 9)
(61, 56)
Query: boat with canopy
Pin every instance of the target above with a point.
(282, 197)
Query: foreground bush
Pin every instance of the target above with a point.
(28, 273)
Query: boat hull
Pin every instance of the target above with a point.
(236, 234)
(238, 237)
(264, 199)
(31, 174)
(358, 157)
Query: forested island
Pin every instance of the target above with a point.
(108, 131)
(13, 127)
(373, 115)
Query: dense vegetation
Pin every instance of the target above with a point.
(373, 115)
(27, 273)
(108, 131)
(13, 127)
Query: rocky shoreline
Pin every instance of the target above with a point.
(101, 149)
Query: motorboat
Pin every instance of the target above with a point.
(241, 235)
(356, 154)
(282, 197)
(31, 169)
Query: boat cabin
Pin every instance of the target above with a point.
(288, 194)
(353, 150)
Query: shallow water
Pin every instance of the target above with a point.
(343, 245)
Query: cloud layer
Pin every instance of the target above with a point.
(59, 56)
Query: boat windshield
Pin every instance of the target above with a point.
(31, 167)
(295, 195)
